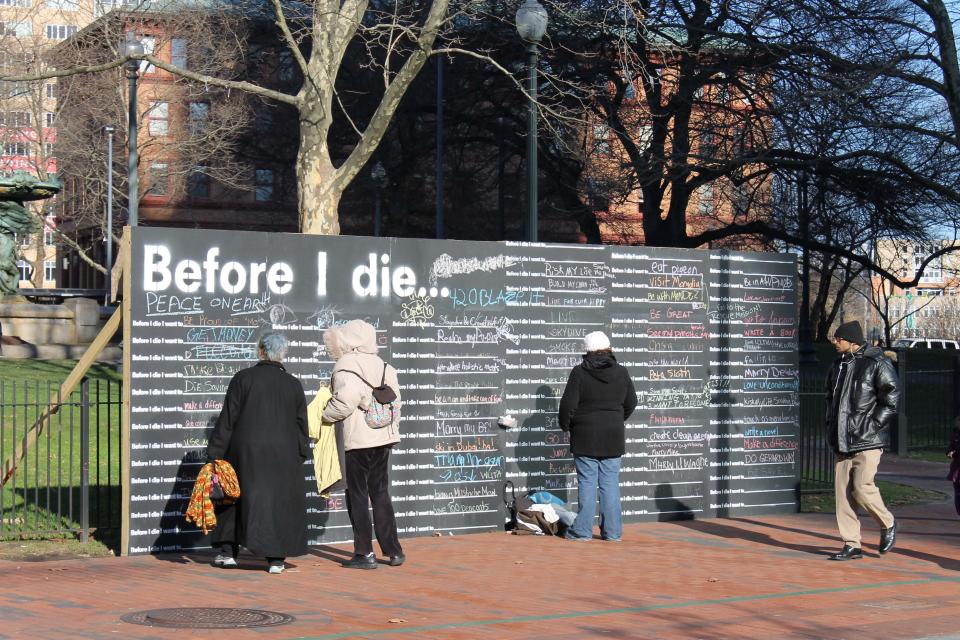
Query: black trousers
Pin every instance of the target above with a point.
(368, 484)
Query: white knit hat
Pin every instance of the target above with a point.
(595, 341)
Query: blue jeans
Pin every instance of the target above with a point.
(594, 473)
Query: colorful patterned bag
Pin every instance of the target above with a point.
(384, 407)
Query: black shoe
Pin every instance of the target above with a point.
(397, 560)
(888, 537)
(359, 561)
(847, 553)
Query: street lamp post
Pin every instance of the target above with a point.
(532, 25)
(379, 176)
(132, 47)
(109, 235)
(501, 194)
(440, 195)
(807, 352)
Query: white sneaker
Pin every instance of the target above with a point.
(225, 562)
(276, 568)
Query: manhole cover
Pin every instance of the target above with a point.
(207, 618)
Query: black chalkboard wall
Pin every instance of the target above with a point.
(476, 330)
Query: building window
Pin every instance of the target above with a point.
(178, 52)
(60, 31)
(159, 172)
(48, 149)
(601, 140)
(12, 62)
(17, 149)
(934, 269)
(149, 46)
(51, 118)
(708, 145)
(25, 269)
(706, 204)
(264, 185)
(14, 3)
(19, 29)
(14, 89)
(199, 115)
(49, 270)
(52, 90)
(721, 89)
(644, 136)
(48, 236)
(159, 115)
(742, 140)
(198, 183)
(254, 61)
(15, 119)
(741, 200)
(263, 120)
(286, 66)
(103, 7)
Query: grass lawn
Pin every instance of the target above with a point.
(43, 495)
(894, 495)
(931, 454)
(56, 549)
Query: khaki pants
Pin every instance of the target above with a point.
(854, 485)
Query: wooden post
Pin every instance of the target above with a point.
(125, 274)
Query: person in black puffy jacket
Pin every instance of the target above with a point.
(862, 393)
(598, 398)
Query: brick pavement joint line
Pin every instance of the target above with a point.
(652, 607)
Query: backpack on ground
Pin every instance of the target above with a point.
(384, 408)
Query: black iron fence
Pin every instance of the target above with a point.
(816, 457)
(931, 400)
(67, 476)
(65, 464)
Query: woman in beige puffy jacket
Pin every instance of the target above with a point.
(354, 347)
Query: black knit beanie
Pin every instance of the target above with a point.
(851, 332)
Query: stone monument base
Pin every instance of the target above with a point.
(75, 322)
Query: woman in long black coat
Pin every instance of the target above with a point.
(262, 432)
(598, 398)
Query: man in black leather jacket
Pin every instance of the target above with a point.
(862, 396)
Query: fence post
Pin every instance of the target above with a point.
(84, 460)
(902, 439)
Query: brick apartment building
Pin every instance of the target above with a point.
(28, 112)
(207, 158)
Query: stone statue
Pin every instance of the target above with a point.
(15, 189)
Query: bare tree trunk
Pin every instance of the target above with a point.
(36, 278)
(318, 190)
(946, 42)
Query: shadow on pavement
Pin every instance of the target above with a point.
(950, 564)
(716, 528)
(332, 554)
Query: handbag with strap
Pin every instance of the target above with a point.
(385, 408)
